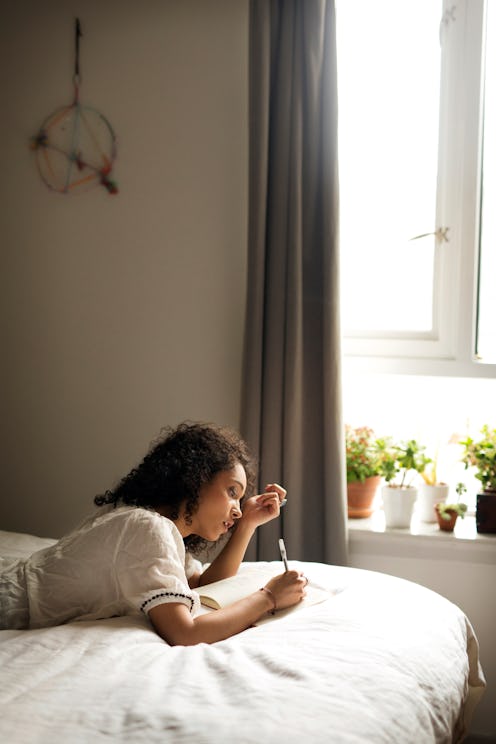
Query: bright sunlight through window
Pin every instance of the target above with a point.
(486, 337)
(388, 88)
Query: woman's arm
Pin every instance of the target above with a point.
(256, 511)
(174, 623)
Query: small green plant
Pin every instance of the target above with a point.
(481, 455)
(446, 510)
(429, 474)
(401, 461)
(363, 458)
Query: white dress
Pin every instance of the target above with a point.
(117, 562)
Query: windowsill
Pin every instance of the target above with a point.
(418, 366)
(422, 540)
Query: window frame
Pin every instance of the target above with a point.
(449, 349)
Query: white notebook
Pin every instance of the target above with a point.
(222, 593)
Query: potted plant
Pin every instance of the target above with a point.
(481, 454)
(399, 464)
(447, 514)
(363, 470)
(431, 492)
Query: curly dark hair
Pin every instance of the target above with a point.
(179, 463)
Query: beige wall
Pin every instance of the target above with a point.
(119, 314)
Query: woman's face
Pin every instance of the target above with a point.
(218, 504)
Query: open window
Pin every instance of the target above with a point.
(416, 290)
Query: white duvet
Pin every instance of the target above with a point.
(384, 660)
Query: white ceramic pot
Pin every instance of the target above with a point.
(398, 505)
(428, 497)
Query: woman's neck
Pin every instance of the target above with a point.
(183, 528)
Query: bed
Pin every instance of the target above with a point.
(383, 660)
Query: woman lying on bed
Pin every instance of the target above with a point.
(135, 553)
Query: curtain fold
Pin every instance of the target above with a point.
(291, 407)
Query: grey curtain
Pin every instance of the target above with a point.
(291, 409)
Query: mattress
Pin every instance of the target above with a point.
(382, 661)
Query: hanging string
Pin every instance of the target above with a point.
(77, 78)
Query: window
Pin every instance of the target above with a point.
(417, 149)
(410, 81)
(486, 297)
(388, 107)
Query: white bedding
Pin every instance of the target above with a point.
(384, 660)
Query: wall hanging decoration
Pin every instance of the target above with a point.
(75, 146)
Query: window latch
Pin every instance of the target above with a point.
(441, 235)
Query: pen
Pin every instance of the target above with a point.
(284, 557)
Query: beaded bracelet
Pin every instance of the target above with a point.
(271, 595)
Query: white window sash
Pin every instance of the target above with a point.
(449, 348)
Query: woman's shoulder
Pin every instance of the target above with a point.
(142, 532)
(136, 521)
(111, 514)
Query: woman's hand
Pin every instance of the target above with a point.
(256, 511)
(174, 622)
(288, 588)
(262, 508)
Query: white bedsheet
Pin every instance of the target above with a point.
(384, 660)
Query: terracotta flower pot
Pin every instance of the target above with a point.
(447, 525)
(361, 496)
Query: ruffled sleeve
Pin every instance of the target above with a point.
(150, 564)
